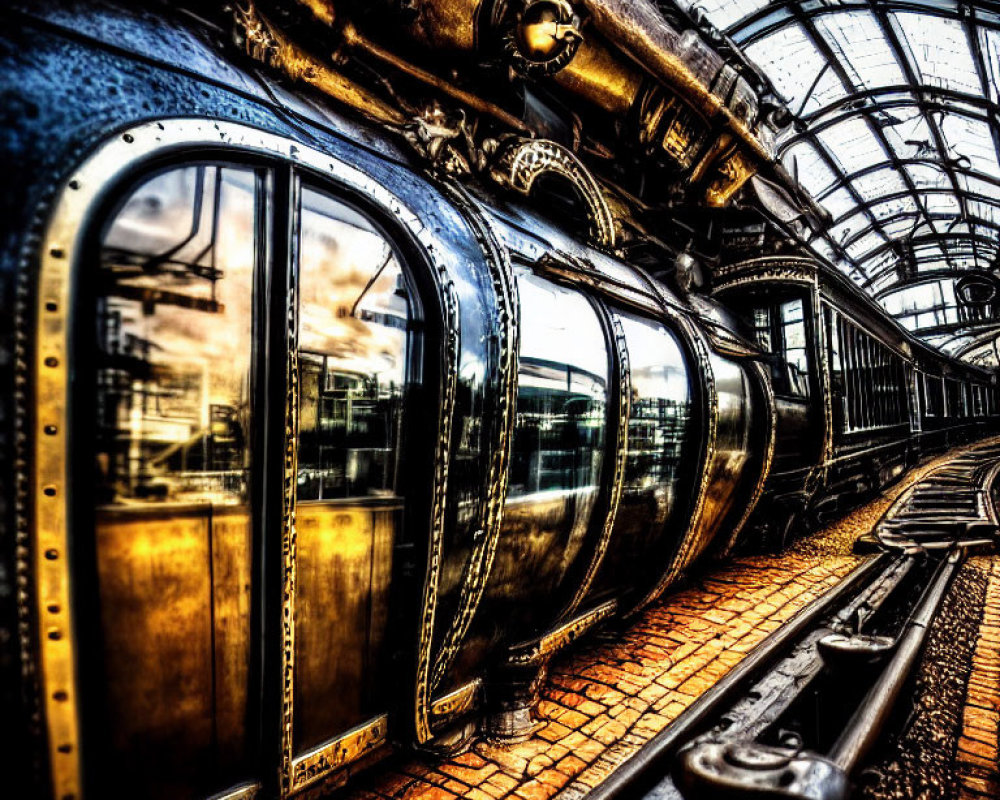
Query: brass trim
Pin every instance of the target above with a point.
(522, 161)
(331, 756)
(537, 652)
(49, 484)
(246, 791)
(59, 257)
(480, 561)
(448, 298)
(456, 703)
(621, 460)
(289, 499)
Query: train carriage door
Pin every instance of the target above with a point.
(349, 362)
(239, 457)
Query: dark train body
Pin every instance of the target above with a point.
(310, 453)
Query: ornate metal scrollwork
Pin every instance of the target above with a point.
(520, 162)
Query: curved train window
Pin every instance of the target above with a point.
(562, 392)
(659, 430)
(559, 431)
(175, 286)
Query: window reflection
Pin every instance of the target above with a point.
(562, 391)
(780, 329)
(353, 312)
(174, 339)
(661, 408)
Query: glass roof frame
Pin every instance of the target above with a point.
(896, 108)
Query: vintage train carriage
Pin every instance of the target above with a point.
(857, 398)
(313, 452)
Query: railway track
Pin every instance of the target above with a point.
(797, 717)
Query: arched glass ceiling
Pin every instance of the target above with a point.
(897, 134)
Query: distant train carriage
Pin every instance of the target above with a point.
(857, 398)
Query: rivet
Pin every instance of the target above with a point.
(52, 361)
(56, 252)
(53, 608)
(128, 137)
(74, 184)
(52, 554)
(65, 748)
(61, 696)
(51, 306)
(49, 491)
(50, 430)
(55, 634)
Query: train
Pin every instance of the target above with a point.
(329, 417)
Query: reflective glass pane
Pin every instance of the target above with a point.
(562, 393)
(174, 314)
(354, 313)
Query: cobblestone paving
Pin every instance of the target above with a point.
(977, 755)
(604, 700)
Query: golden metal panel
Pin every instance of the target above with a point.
(231, 578)
(343, 565)
(156, 622)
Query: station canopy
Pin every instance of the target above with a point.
(897, 135)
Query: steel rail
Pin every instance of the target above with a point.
(651, 762)
(867, 723)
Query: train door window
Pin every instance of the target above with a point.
(560, 427)
(354, 311)
(780, 329)
(174, 299)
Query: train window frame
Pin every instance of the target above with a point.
(67, 242)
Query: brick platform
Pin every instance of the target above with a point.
(604, 700)
(976, 760)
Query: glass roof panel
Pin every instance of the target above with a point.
(879, 183)
(938, 203)
(804, 162)
(970, 139)
(724, 13)
(989, 43)
(839, 203)
(852, 144)
(940, 52)
(793, 64)
(928, 176)
(864, 52)
(894, 207)
(866, 244)
(909, 135)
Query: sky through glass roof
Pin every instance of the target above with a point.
(897, 134)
